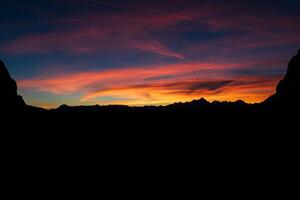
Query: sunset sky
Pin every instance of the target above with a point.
(147, 52)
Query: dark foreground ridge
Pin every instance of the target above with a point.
(285, 100)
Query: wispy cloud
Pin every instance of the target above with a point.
(97, 33)
(72, 82)
(154, 47)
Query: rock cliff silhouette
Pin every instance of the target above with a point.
(288, 90)
(9, 99)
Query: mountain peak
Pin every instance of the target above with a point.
(241, 102)
(203, 101)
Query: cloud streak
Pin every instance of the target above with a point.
(95, 33)
(155, 47)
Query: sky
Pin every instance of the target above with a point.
(150, 52)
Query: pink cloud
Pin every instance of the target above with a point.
(74, 82)
(155, 47)
(95, 33)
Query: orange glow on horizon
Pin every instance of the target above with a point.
(157, 85)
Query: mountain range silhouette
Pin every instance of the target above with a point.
(180, 131)
(287, 97)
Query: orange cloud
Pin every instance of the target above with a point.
(158, 93)
(163, 94)
(158, 84)
(77, 81)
